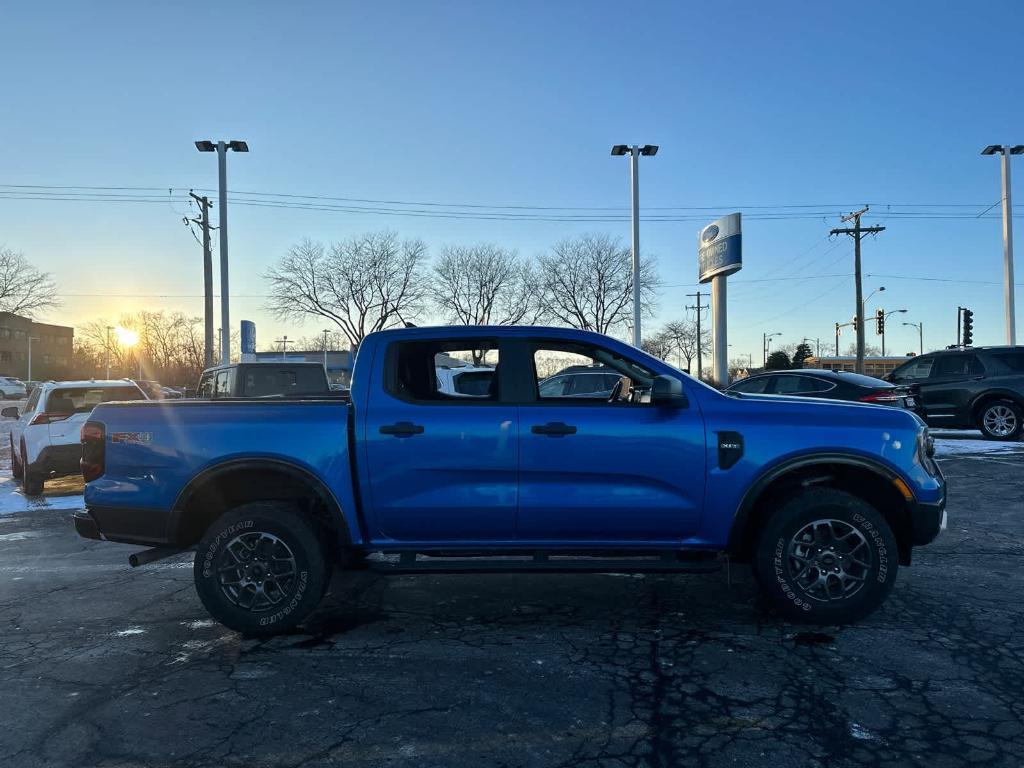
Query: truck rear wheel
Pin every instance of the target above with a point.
(260, 568)
(826, 557)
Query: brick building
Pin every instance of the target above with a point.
(51, 348)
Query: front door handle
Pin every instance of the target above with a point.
(553, 429)
(402, 429)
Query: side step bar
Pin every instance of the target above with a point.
(545, 562)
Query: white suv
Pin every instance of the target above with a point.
(12, 388)
(45, 440)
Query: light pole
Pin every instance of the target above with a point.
(885, 317)
(864, 303)
(920, 335)
(767, 342)
(817, 346)
(30, 340)
(1007, 150)
(107, 348)
(283, 341)
(327, 333)
(222, 147)
(634, 152)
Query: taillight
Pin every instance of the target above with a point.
(49, 418)
(881, 396)
(93, 450)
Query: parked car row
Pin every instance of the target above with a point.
(962, 388)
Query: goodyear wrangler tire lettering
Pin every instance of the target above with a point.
(260, 568)
(823, 557)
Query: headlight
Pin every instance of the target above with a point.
(926, 451)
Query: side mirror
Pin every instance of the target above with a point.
(667, 391)
(10, 412)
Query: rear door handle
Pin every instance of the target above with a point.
(402, 429)
(553, 429)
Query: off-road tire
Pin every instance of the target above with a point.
(276, 531)
(827, 591)
(1001, 420)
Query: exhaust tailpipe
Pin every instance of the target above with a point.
(151, 555)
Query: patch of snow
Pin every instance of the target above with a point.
(20, 535)
(13, 500)
(958, 447)
(130, 632)
(860, 732)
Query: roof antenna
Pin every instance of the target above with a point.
(410, 325)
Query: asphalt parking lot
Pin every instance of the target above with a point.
(103, 665)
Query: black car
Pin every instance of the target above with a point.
(830, 385)
(975, 388)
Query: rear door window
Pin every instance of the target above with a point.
(429, 371)
(754, 386)
(1012, 360)
(205, 388)
(957, 365)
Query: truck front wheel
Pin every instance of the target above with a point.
(260, 568)
(826, 557)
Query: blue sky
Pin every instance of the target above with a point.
(753, 104)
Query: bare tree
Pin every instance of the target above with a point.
(363, 284)
(169, 347)
(587, 282)
(660, 344)
(683, 335)
(483, 285)
(24, 289)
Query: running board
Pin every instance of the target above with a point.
(544, 562)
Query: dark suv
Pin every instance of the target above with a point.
(980, 388)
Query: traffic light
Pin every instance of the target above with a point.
(968, 330)
(854, 323)
(880, 322)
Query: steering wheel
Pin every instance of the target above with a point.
(616, 392)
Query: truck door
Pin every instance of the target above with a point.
(612, 467)
(441, 465)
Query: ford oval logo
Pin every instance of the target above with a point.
(709, 233)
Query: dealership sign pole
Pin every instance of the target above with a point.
(719, 254)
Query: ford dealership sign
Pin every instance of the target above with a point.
(719, 248)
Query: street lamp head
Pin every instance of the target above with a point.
(902, 311)
(881, 288)
(620, 149)
(206, 146)
(238, 146)
(992, 149)
(649, 150)
(1017, 149)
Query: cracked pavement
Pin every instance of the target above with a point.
(103, 665)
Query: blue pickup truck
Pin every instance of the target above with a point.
(825, 500)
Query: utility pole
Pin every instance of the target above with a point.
(326, 334)
(857, 232)
(699, 308)
(204, 221)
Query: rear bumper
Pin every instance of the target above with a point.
(149, 527)
(58, 460)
